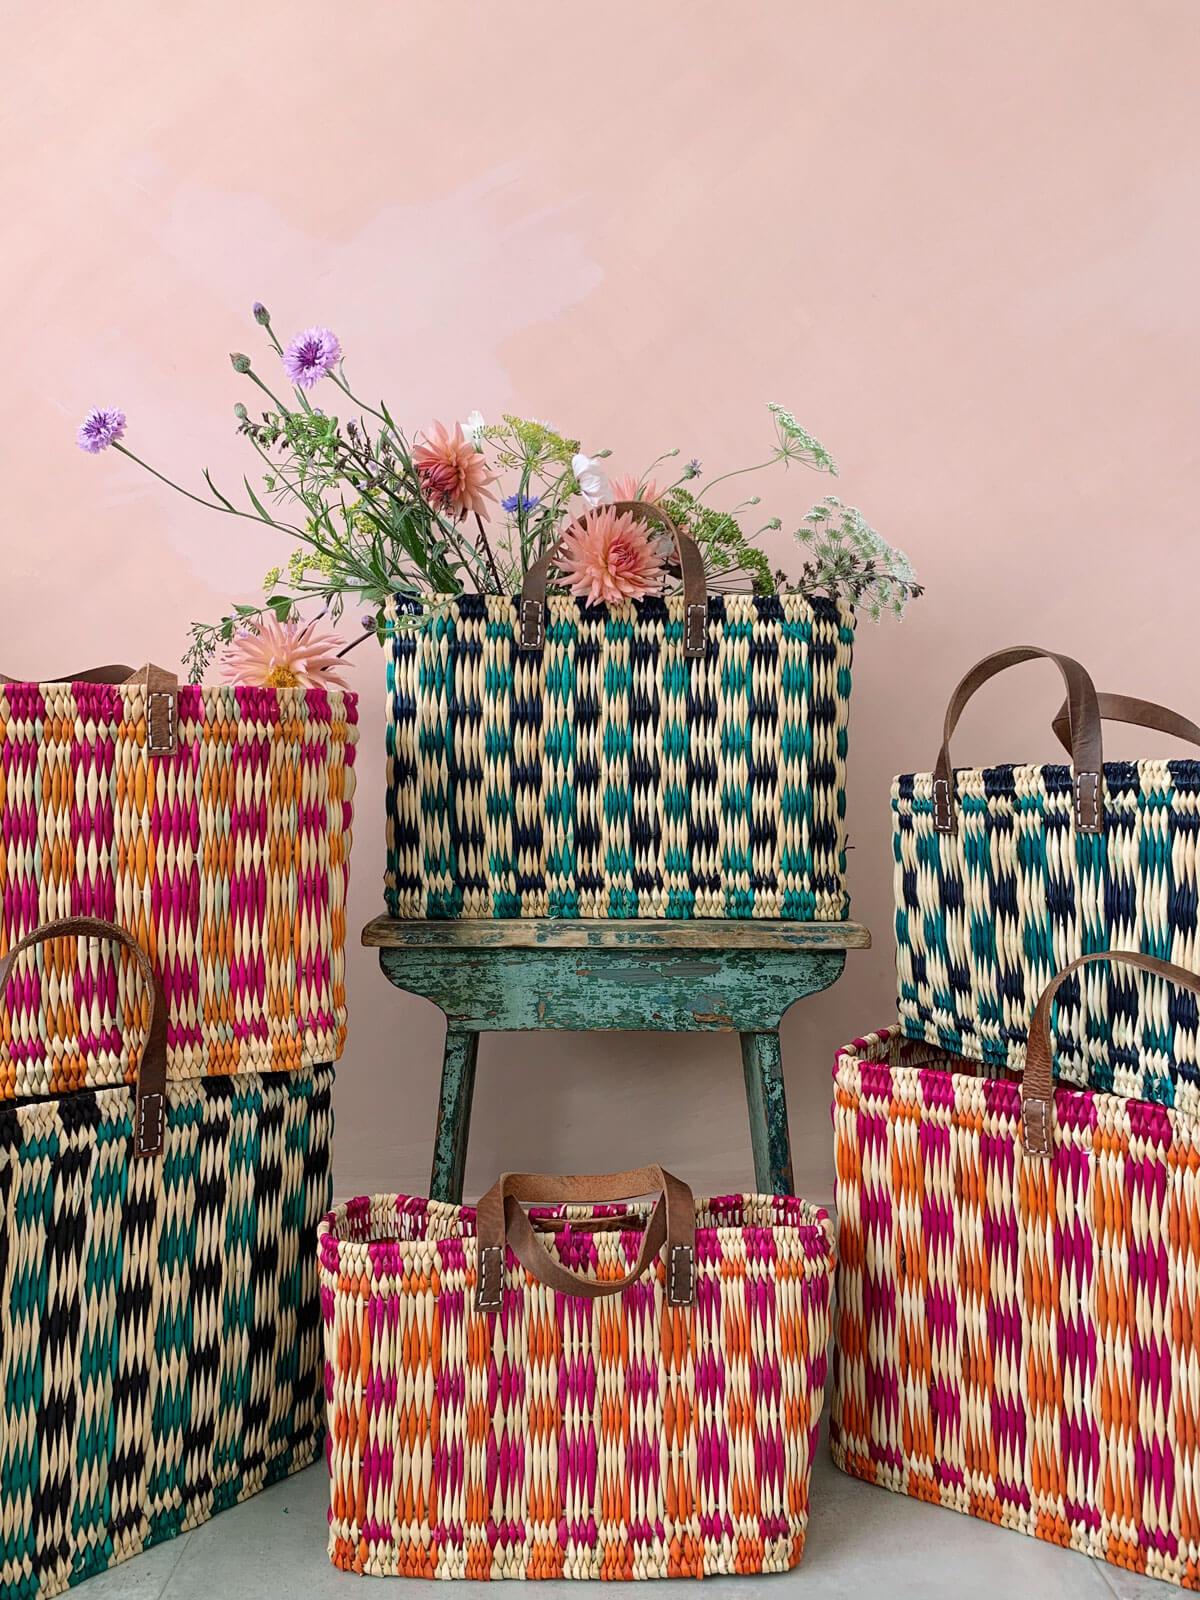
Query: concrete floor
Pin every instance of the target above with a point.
(862, 1542)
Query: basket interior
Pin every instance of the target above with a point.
(409, 1217)
(891, 1048)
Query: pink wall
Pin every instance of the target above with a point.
(960, 242)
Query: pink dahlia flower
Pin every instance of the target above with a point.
(631, 488)
(453, 474)
(284, 655)
(610, 556)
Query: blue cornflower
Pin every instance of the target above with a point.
(520, 502)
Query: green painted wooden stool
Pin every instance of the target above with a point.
(674, 977)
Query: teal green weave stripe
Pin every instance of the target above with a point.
(605, 774)
(177, 1368)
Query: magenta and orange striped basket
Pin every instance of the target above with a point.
(579, 1391)
(1017, 1330)
(212, 825)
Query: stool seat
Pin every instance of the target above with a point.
(699, 976)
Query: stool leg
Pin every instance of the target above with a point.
(454, 1116)
(767, 1105)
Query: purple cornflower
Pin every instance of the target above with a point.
(102, 426)
(520, 502)
(310, 356)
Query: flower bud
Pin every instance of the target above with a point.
(261, 314)
(238, 361)
(240, 412)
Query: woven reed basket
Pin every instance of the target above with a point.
(544, 1394)
(1004, 875)
(213, 825)
(159, 1315)
(668, 757)
(1017, 1332)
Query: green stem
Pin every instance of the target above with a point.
(336, 377)
(487, 550)
(210, 505)
(736, 473)
(354, 643)
(278, 403)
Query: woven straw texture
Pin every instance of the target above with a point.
(986, 915)
(227, 861)
(159, 1319)
(566, 1437)
(1015, 1338)
(606, 775)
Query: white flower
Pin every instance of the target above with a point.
(593, 480)
(473, 428)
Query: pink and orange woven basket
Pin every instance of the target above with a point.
(1017, 1332)
(213, 825)
(544, 1396)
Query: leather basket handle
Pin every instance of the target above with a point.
(501, 1221)
(162, 698)
(1139, 713)
(1083, 715)
(691, 563)
(115, 674)
(1037, 1086)
(149, 1114)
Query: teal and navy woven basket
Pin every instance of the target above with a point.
(160, 1319)
(1006, 874)
(608, 772)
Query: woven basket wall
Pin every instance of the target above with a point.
(566, 1437)
(606, 775)
(1019, 1338)
(227, 861)
(159, 1318)
(986, 915)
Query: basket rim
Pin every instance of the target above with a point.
(808, 1221)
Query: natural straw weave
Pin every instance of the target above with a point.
(607, 775)
(986, 915)
(159, 1318)
(568, 1437)
(1019, 1338)
(227, 861)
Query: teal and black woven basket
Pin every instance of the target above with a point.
(1005, 874)
(654, 759)
(160, 1320)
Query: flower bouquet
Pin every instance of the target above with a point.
(373, 514)
(666, 738)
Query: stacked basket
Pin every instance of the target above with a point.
(172, 907)
(1016, 1333)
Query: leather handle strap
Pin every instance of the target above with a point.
(149, 1113)
(501, 1222)
(162, 698)
(1139, 713)
(691, 564)
(1037, 1087)
(115, 674)
(1083, 716)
